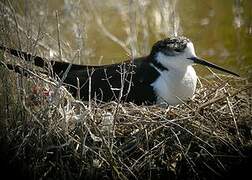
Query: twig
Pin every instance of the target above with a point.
(233, 116)
(58, 36)
(212, 101)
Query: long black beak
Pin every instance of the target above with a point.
(206, 63)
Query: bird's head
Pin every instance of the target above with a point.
(178, 53)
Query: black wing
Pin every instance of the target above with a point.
(104, 82)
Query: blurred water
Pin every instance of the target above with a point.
(104, 32)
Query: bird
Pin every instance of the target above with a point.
(166, 75)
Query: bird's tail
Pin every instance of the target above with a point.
(38, 61)
(58, 67)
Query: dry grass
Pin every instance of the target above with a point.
(55, 136)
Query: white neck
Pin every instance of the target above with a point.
(179, 82)
(172, 86)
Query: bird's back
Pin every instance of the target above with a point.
(105, 83)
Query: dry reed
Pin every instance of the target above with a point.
(56, 136)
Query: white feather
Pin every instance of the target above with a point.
(179, 82)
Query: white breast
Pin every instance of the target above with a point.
(173, 85)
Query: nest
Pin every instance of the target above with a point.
(48, 134)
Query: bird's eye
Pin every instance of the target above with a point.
(178, 50)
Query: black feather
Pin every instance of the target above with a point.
(135, 76)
